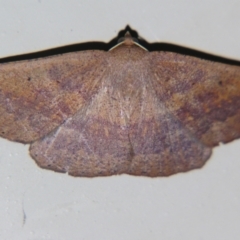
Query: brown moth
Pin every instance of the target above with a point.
(96, 113)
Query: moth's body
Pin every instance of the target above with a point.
(124, 78)
(96, 113)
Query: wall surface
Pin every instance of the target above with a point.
(40, 204)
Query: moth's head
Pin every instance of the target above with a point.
(128, 41)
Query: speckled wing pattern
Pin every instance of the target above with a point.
(37, 96)
(204, 96)
(96, 113)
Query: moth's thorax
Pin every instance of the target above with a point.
(126, 62)
(126, 53)
(127, 81)
(128, 68)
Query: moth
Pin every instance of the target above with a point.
(127, 110)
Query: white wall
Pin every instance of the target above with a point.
(40, 204)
